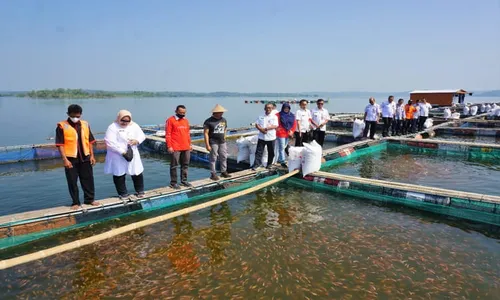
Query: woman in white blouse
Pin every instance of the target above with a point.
(121, 134)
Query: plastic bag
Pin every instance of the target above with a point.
(294, 158)
(357, 128)
(466, 110)
(428, 123)
(311, 158)
(473, 110)
(447, 113)
(243, 150)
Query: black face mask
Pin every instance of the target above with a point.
(180, 116)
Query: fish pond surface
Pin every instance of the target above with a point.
(281, 243)
(36, 185)
(411, 165)
(468, 139)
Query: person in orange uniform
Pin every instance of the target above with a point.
(75, 143)
(409, 111)
(178, 140)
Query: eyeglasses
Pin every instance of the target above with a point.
(125, 121)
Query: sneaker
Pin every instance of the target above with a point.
(175, 186)
(225, 175)
(124, 197)
(269, 167)
(284, 165)
(186, 184)
(214, 177)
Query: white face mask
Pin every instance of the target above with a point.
(74, 119)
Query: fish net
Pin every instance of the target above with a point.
(346, 155)
(483, 212)
(162, 203)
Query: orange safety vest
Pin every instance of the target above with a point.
(409, 111)
(71, 138)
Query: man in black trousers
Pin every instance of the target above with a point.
(75, 143)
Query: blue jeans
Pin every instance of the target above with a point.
(282, 143)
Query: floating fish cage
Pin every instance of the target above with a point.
(12, 154)
(452, 178)
(404, 171)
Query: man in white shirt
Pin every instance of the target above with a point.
(388, 111)
(399, 116)
(320, 116)
(304, 124)
(416, 116)
(372, 112)
(424, 114)
(266, 124)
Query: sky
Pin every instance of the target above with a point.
(250, 46)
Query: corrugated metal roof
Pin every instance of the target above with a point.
(437, 91)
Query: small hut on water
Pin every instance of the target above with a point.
(440, 97)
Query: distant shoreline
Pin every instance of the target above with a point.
(84, 94)
(95, 94)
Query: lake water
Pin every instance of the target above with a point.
(281, 243)
(32, 121)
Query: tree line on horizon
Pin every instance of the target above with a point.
(61, 93)
(86, 94)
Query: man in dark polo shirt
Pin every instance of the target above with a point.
(214, 130)
(75, 143)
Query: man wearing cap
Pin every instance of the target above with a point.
(214, 131)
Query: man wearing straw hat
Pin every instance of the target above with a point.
(214, 131)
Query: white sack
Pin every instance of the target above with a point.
(294, 158)
(311, 158)
(243, 150)
(357, 128)
(447, 113)
(428, 123)
(473, 110)
(466, 110)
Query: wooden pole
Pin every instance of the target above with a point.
(9, 263)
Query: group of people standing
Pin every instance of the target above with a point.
(74, 140)
(397, 118)
(279, 127)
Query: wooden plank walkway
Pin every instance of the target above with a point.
(410, 187)
(113, 201)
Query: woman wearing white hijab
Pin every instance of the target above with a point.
(120, 135)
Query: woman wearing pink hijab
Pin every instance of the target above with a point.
(122, 140)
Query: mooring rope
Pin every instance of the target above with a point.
(12, 262)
